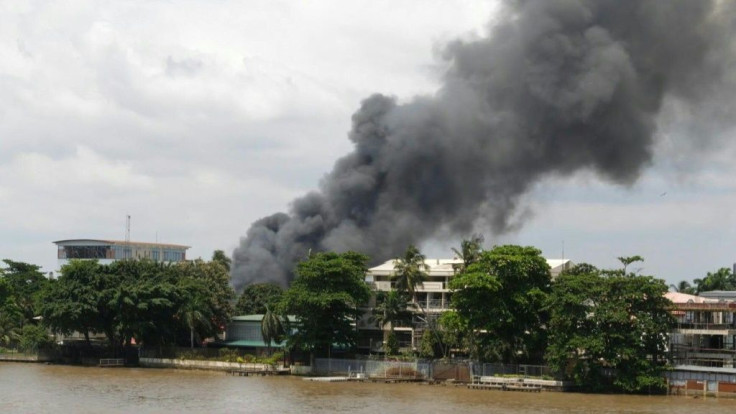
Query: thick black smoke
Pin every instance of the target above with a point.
(557, 87)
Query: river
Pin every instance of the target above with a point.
(39, 388)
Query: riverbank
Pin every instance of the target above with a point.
(203, 365)
(77, 389)
(21, 357)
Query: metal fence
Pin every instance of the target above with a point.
(438, 370)
(372, 368)
(487, 370)
(194, 353)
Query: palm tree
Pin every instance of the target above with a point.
(219, 256)
(409, 271)
(272, 328)
(194, 314)
(721, 279)
(626, 261)
(683, 287)
(195, 311)
(470, 250)
(9, 331)
(391, 308)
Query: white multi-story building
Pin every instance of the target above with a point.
(431, 298)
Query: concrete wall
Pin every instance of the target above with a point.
(206, 365)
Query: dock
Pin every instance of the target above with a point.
(506, 387)
(327, 379)
(111, 362)
(250, 373)
(517, 384)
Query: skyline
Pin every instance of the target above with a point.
(199, 119)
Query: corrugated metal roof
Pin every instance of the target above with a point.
(256, 318)
(253, 344)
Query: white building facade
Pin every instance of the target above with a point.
(432, 297)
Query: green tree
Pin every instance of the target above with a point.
(470, 250)
(140, 300)
(34, 337)
(70, 303)
(273, 327)
(684, 287)
(391, 308)
(602, 324)
(500, 299)
(627, 260)
(26, 283)
(220, 257)
(195, 311)
(257, 296)
(325, 298)
(219, 293)
(9, 330)
(409, 271)
(10, 315)
(721, 279)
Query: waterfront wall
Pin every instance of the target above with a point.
(205, 365)
(24, 357)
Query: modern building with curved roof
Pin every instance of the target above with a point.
(108, 251)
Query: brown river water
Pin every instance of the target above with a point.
(39, 388)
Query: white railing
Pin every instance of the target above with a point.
(430, 287)
(383, 286)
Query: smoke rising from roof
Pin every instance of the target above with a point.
(557, 87)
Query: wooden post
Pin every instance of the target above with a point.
(705, 388)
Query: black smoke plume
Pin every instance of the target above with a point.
(556, 87)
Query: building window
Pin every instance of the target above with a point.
(85, 252)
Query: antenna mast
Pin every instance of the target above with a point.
(127, 229)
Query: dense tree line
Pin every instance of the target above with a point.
(21, 287)
(602, 329)
(721, 279)
(609, 330)
(128, 301)
(599, 328)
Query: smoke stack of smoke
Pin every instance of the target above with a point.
(559, 86)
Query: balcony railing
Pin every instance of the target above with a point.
(705, 306)
(386, 286)
(706, 326)
(432, 304)
(430, 287)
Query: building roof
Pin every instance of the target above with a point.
(253, 344)
(440, 267)
(555, 263)
(257, 318)
(120, 243)
(683, 298)
(719, 294)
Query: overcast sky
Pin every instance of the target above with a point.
(198, 117)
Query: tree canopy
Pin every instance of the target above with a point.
(500, 299)
(609, 331)
(721, 279)
(256, 297)
(409, 270)
(149, 302)
(325, 297)
(470, 250)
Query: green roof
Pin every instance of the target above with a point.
(253, 344)
(252, 318)
(257, 318)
